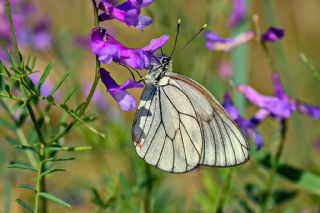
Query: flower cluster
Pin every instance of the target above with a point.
(249, 127)
(108, 49)
(218, 43)
(280, 106)
(29, 31)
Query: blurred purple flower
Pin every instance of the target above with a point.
(31, 29)
(280, 105)
(108, 49)
(46, 87)
(225, 69)
(218, 43)
(118, 92)
(238, 12)
(273, 34)
(127, 12)
(249, 127)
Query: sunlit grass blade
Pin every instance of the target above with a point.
(316, 71)
(57, 86)
(52, 171)
(54, 199)
(44, 75)
(26, 186)
(25, 205)
(70, 149)
(20, 165)
(1, 76)
(70, 93)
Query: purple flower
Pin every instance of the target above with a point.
(118, 92)
(280, 105)
(249, 127)
(108, 49)
(225, 69)
(29, 32)
(127, 12)
(218, 43)
(238, 12)
(273, 34)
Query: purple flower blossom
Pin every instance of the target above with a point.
(118, 92)
(249, 127)
(30, 32)
(280, 105)
(218, 43)
(273, 34)
(238, 12)
(127, 12)
(108, 49)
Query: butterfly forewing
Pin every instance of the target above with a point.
(179, 125)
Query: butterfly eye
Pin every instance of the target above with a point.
(165, 61)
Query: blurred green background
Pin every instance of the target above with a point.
(114, 171)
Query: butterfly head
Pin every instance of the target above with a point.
(159, 65)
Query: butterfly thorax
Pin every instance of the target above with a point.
(157, 69)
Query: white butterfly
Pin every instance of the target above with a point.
(180, 125)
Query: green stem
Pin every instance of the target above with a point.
(82, 108)
(225, 191)
(147, 200)
(21, 136)
(35, 123)
(39, 183)
(269, 183)
(13, 34)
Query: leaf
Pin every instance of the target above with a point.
(70, 93)
(6, 124)
(57, 86)
(52, 171)
(54, 199)
(1, 76)
(12, 61)
(59, 159)
(25, 205)
(44, 75)
(20, 165)
(70, 149)
(26, 186)
(27, 148)
(303, 178)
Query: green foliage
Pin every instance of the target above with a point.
(54, 199)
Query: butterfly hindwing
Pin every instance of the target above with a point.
(179, 125)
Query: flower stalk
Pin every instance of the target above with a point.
(270, 181)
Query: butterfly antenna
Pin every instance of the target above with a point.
(176, 39)
(162, 54)
(193, 37)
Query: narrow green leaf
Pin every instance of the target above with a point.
(1, 76)
(70, 93)
(70, 149)
(44, 75)
(20, 165)
(52, 171)
(26, 186)
(6, 124)
(59, 159)
(12, 60)
(34, 61)
(54, 199)
(28, 148)
(57, 86)
(25, 205)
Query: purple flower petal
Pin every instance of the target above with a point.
(277, 107)
(218, 43)
(278, 88)
(308, 109)
(238, 12)
(119, 93)
(108, 49)
(127, 12)
(273, 34)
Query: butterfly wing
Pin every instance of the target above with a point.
(179, 125)
(224, 143)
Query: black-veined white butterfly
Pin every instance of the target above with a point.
(180, 125)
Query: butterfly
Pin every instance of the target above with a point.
(180, 125)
